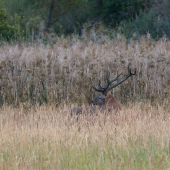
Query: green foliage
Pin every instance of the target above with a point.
(5, 29)
(29, 18)
(8, 31)
(69, 16)
(143, 24)
(118, 10)
(25, 15)
(156, 22)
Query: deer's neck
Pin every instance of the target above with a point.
(110, 100)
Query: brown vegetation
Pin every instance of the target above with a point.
(45, 138)
(66, 71)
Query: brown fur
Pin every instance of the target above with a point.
(112, 102)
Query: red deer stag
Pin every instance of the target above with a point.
(106, 101)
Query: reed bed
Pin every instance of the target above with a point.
(65, 71)
(138, 137)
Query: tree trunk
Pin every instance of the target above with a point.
(99, 4)
(50, 16)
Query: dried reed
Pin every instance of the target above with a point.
(66, 71)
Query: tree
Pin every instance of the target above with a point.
(59, 8)
(115, 11)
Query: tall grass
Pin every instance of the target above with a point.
(136, 138)
(38, 136)
(65, 72)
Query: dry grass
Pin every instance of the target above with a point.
(34, 137)
(45, 138)
(66, 71)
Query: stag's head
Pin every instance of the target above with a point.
(100, 100)
(103, 99)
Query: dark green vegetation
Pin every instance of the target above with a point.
(27, 18)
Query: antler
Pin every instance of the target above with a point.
(104, 89)
(107, 88)
(119, 82)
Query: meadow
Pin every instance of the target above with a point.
(45, 138)
(38, 83)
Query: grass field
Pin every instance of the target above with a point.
(38, 83)
(46, 138)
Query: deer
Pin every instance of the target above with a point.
(106, 101)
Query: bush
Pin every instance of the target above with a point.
(6, 30)
(156, 22)
(118, 10)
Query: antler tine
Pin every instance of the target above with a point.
(99, 90)
(107, 78)
(107, 88)
(118, 83)
(129, 71)
(99, 85)
(116, 77)
(103, 89)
